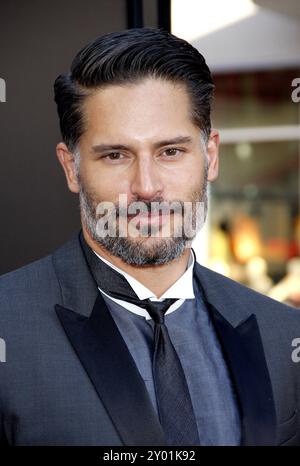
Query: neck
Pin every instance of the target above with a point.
(157, 278)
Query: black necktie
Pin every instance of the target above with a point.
(173, 398)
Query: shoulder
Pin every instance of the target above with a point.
(27, 276)
(28, 290)
(39, 272)
(225, 292)
(36, 286)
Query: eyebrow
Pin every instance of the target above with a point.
(99, 148)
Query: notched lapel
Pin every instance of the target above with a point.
(112, 370)
(243, 349)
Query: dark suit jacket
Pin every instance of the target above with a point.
(69, 378)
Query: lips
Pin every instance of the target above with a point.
(148, 218)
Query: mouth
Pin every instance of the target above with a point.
(146, 218)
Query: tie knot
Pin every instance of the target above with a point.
(157, 309)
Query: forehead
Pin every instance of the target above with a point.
(141, 109)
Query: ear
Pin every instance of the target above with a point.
(213, 155)
(67, 161)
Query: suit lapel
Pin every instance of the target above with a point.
(103, 352)
(107, 361)
(243, 351)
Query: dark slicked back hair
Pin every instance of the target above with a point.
(128, 57)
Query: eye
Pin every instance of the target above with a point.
(173, 152)
(112, 156)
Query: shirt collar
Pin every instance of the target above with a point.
(181, 289)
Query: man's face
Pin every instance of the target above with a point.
(140, 142)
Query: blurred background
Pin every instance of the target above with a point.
(253, 50)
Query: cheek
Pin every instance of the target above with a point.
(189, 179)
(97, 181)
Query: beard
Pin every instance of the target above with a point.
(143, 251)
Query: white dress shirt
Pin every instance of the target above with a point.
(182, 289)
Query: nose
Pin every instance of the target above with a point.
(146, 180)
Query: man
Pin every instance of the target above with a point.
(120, 337)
